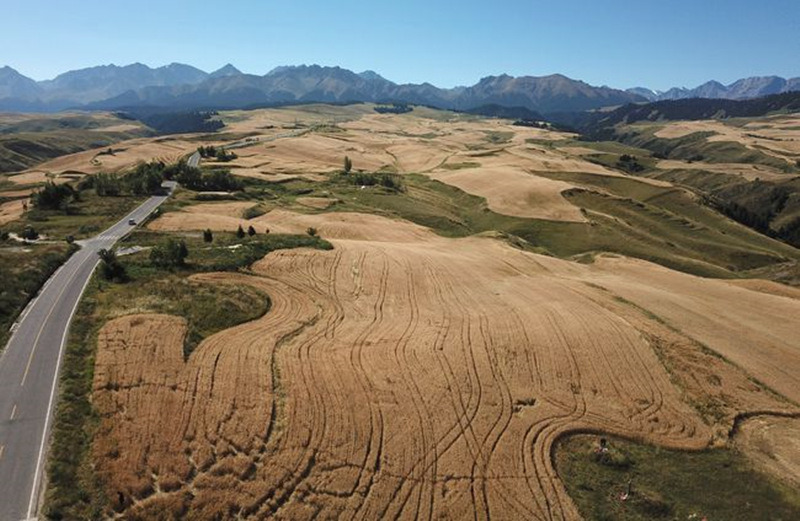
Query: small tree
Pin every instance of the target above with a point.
(54, 197)
(171, 254)
(207, 235)
(312, 231)
(251, 231)
(348, 165)
(266, 231)
(240, 232)
(110, 267)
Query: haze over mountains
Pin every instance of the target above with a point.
(179, 86)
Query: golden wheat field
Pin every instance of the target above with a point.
(404, 375)
(407, 375)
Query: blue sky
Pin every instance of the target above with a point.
(621, 43)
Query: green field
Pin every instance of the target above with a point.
(668, 484)
(665, 225)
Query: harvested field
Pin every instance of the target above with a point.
(31, 177)
(748, 171)
(769, 287)
(318, 153)
(501, 155)
(406, 375)
(232, 209)
(10, 211)
(733, 331)
(126, 154)
(512, 191)
(777, 136)
(339, 225)
(380, 385)
(318, 203)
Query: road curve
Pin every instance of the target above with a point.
(30, 364)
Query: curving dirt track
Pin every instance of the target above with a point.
(412, 377)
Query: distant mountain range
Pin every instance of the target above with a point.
(601, 125)
(178, 87)
(746, 88)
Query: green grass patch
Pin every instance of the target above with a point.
(697, 147)
(225, 253)
(23, 270)
(668, 484)
(460, 166)
(84, 218)
(662, 224)
(671, 228)
(498, 137)
(255, 211)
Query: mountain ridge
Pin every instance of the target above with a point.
(183, 86)
(743, 88)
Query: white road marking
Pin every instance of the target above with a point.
(41, 328)
(53, 395)
(13, 412)
(33, 503)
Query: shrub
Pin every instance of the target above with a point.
(54, 197)
(171, 254)
(110, 267)
(106, 184)
(390, 181)
(29, 233)
(207, 235)
(614, 458)
(251, 231)
(253, 212)
(240, 232)
(312, 231)
(145, 179)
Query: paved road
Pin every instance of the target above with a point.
(194, 160)
(29, 368)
